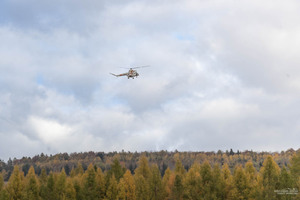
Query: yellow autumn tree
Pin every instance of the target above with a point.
(229, 185)
(15, 185)
(168, 183)
(241, 183)
(192, 183)
(121, 190)
(141, 177)
(129, 186)
(269, 178)
(155, 184)
(112, 190)
(31, 186)
(251, 175)
(70, 192)
(89, 183)
(100, 184)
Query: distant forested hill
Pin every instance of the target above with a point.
(129, 160)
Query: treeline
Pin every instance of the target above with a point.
(201, 181)
(163, 159)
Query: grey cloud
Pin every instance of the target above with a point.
(223, 75)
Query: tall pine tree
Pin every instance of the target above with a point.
(168, 183)
(229, 185)
(218, 183)
(285, 182)
(15, 185)
(142, 187)
(70, 192)
(51, 191)
(269, 178)
(192, 183)
(129, 186)
(112, 190)
(3, 192)
(251, 175)
(43, 184)
(142, 175)
(143, 168)
(241, 183)
(1, 182)
(100, 184)
(60, 185)
(206, 181)
(31, 186)
(155, 183)
(178, 189)
(89, 183)
(116, 169)
(295, 167)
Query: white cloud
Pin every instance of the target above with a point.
(49, 131)
(223, 75)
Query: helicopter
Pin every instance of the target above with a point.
(131, 73)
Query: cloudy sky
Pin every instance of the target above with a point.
(224, 74)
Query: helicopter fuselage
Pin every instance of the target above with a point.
(132, 73)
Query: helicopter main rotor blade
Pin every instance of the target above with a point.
(135, 67)
(141, 67)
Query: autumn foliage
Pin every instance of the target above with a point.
(203, 180)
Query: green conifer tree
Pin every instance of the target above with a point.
(89, 183)
(121, 190)
(295, 168)
(72, 173)
(60, 186)
(143, 168)
(129, 186)
(218, 183)
(192, 183)
(142, 174)
(142, 187)
(1, 182)
(241, 183)
(3, 192)
(112, 190)
(251, 175)
(179, 169)
(229, 185)
(270, 178)
(100, 184)
(15, 184)
(78, 187)
(4, 195)
(79, 169)
(51, 191)
(207, 181)
(155, 183)
(31, 186)
(285, 183)
(168, 183)
(43, 184)
(70, 192)
(178, 189)
(117, 170)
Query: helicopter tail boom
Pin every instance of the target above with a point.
(114, 74)
(117, 75)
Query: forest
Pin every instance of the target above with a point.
(153, 175)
